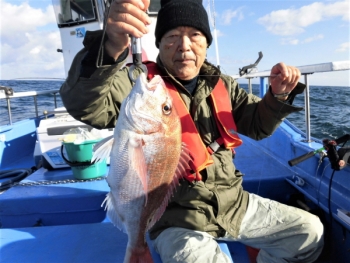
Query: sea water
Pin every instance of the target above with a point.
(329, 106)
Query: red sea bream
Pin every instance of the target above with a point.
(146, 160)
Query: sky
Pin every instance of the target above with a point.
(290, 31)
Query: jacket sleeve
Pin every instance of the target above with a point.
(94, 95)
(258, 118)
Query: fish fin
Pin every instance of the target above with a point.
(138, 161)
(112, 213)
(102, 149)
(182, 166)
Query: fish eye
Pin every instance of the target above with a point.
(166, 108)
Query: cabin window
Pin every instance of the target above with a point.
(73, 12)
(154, 7)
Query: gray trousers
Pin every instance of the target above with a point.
(283, 234)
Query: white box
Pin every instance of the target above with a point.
(49, 133)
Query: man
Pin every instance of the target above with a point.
(212, 204)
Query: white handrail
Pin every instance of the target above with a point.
(315, 68)
(26, 94)
(33, 94)
(305, 70)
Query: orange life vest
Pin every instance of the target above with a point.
(190, 136)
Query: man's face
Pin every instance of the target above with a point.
(182, 51)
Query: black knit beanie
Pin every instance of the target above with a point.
(174, 13)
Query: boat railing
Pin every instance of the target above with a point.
(305, 71)
(8, 94)
(263, 75)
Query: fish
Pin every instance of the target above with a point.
(147, 160)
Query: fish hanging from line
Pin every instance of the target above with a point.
(147, 158)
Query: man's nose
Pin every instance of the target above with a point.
(184, 43)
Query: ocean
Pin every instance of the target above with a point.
(330, 107)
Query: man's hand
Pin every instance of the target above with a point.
(283, 79)
(126, 17)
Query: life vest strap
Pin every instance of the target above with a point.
(215, 145)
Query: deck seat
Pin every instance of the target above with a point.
(98, 242)
(93, 243)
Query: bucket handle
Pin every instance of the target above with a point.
(72, 164)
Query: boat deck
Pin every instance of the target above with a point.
(66, 223)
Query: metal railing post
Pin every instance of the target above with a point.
(36, 106)
(307, 110)
(9, 110)
(55, 99)
(262, 86)
(250, 89)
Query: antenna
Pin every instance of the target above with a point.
(216, 38)
(211, 15)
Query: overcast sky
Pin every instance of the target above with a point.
(295, 32)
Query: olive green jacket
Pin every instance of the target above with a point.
(216, 204)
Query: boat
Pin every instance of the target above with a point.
(47, 215)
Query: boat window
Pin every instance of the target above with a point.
(154, 7)
(73, 12)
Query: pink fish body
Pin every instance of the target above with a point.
(146, 160)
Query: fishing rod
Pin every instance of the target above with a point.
(304, 157)
(136, 50)
(338, 157)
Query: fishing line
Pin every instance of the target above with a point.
(329, 202)
(319, 184)
(329, 208)
(99, 59)
(219, 75)
(259, 183)
(38, 78)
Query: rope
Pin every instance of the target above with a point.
(13, 177)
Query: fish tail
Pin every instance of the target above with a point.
(138, 255)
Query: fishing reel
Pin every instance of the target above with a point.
(338, 157)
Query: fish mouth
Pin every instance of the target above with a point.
(147, 86)
(133, 111)
(153, 83)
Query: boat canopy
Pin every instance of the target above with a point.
(74, 12)
(154, 7)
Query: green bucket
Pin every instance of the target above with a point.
(79, 159)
